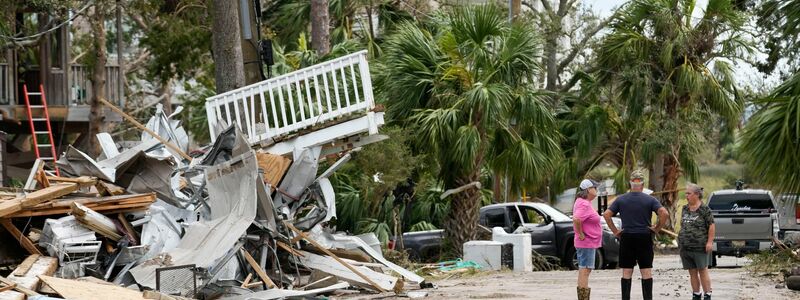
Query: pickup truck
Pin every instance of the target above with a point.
(746, 222)
(551, 233)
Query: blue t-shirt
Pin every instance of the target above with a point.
(635, 209)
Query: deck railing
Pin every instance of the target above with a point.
(297, 100)
(81, 90)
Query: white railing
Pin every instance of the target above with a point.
(297, 100)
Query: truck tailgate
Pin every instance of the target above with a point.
(743, 226)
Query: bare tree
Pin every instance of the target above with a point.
(98, 78)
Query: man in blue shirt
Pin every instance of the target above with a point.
(636, 239)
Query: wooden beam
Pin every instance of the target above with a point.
(104, 204)
(95, 221)
(32, 199)
(289, 249)
(18, 288)
(83, 181)
(86, 290)
(247, 280)
(49, 193)
(260, 272)
(108, 189)
(145, 129)
(345, 264)
(21, 238)
(26, 265)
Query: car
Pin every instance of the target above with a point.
(789, 218)
(746, 222)
(550, 229)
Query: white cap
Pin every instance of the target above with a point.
(588, 183)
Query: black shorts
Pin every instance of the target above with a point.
(636, 248)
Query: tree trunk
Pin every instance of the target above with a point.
(227, 47)
(657, 173)
(551, 62)
(98, 78)
(461, 223)
(669, 197)
(320, 22)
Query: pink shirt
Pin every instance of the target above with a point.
(590, 223)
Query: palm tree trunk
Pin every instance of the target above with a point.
(227, 46)
(320, 32)
(669, 199)
(461, 223)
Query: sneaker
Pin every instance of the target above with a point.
(707, 297)
(697, 296)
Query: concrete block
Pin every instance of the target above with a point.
(485, 253)
(523, 261)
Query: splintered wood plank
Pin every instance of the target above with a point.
(28, 284)
(95, 221)
(84, 290)
(274, 166)
(108, 189)
(260, 272)
(83, 181)
(26, 265)
(104, 204)
(49, 193)
(21, 238)
(41, 177)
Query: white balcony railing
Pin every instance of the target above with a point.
(297, 100)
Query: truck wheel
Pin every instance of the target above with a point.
(793, 282)
(599, 259)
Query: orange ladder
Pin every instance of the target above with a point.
(35, 133)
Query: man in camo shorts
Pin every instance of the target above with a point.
(695, 240)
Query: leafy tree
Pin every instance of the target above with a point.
(669, 68)
(463, 84)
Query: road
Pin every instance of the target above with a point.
(729, 281)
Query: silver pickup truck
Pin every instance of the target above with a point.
(746, 222)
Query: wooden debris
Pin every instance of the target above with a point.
(27, 284)
(108, 204)
(134, 236)
(83, 181)
(21, 238)
(247, 280)
(356, 255)
(360, 276)
(274, 166)
(41, 177)
(54, 191)
(159, 296)
(257, 268)
(96, 221)
(84, 290)
(289, 249)
(26, 265)
(108, 189)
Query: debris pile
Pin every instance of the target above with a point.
(148, 221)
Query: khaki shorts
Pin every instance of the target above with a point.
(694, 259)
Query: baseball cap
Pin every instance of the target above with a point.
(588, 183)
(637, 174)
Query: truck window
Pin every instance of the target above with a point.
(738, 202)
(496, 218)
(530, 215)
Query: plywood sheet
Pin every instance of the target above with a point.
(83, 290)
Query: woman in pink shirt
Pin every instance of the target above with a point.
(588, 234)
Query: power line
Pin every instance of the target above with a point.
(54, 28)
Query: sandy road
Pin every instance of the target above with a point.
(729, 281)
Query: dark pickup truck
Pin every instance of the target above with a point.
(551, 233)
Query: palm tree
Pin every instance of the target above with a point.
(673, 69)
(771, 138)
(463, 82)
